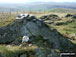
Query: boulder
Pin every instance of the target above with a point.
(74, 17)
(43, 17)
(53, 15)
(50, 17)
(69, 15)
(1, 55)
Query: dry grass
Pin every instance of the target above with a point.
(12, 51)
(6, 18)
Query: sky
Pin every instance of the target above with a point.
(28, 1)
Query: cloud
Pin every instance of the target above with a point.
(65, 0)
(26, 1)
(14, 1)
(60, 0)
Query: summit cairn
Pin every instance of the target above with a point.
(30, 30)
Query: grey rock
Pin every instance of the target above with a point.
(1, 55)
(53, 54)
(23, 55)
(74, 17)
(50, 17)
(33, 28)
(69, 15)
(25, 31)
(40, 53)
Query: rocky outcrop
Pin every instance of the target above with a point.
(73, 16)
(29, 26)
(50, 18)
(39, 34)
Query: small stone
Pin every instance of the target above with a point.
(30, 44)
(1, 55)
(25, 39)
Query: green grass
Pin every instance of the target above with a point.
(69, 28)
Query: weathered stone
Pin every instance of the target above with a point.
(50, 17)
(33, 28)
(17, 42)
(69, 15)
(40, 53)
(24, 55)
(1, 55)
(53, 54)
(25, 31)
(74, 17)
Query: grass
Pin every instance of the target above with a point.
(62, 10)
(69, 28)
(12, 51)
(6, 18)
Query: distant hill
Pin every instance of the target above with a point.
(62, 10)
(36, 6)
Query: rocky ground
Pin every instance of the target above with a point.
(46, 41)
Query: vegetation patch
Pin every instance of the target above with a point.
(13, 51)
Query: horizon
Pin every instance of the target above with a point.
(31, 1)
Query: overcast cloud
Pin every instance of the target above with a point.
(27, 1)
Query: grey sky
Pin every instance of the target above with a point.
(27, 1)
